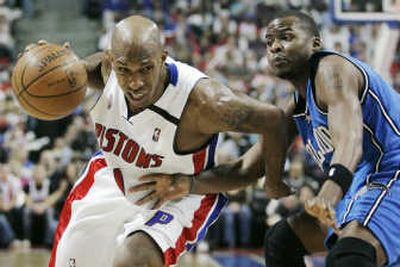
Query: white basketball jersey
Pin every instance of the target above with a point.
(144, 142)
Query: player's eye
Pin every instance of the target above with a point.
(123, 70)
(269, 41)
(146, 69)
(287, 37)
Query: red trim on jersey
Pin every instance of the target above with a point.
(119, 179)
(199, 159)
(171, 255)
(77, 193)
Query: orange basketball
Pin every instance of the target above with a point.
(49, 81)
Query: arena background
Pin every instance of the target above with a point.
(222, 38)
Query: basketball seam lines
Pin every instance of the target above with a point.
(62, 94)
(38, 110)
(27, 102)
(25, 88)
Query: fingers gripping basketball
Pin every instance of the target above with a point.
(49, 81)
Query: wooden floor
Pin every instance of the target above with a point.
(40, 258)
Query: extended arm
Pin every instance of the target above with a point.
(339, 83)
(224, 110)
(268, 153)
(239, 173)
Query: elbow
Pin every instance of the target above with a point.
(275, 123)
(249, 172)
(279, 118)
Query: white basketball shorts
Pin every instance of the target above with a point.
(97, 217)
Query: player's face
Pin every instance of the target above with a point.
(139, 73)
(289, 47)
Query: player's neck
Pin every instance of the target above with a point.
(165, 77)
(300, 82)
(163, 84)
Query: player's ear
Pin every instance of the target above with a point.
(317, 43)
(106, 64)
(107, 55)
(164, 55)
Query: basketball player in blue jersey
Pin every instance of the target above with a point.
(154, 114)
(349, 119)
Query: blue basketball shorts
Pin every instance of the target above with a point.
(374, 201)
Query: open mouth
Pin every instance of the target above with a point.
(135, 96)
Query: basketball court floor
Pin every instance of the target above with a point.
(40, 258)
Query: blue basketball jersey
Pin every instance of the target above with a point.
(381, 122)
(372, 198)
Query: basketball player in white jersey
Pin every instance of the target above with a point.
(154, 115)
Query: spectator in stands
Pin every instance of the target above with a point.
(237, 220)
(38, 210)
(10, 196)
(7, 16)
(6, 232)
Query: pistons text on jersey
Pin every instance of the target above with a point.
(115, 141)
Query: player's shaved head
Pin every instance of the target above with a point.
(307, 23)
(138, 57)
(136, 37)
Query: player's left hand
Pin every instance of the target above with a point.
(41, 42)
(322, 209)
(162, 187)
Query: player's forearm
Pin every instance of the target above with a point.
(347, 136)
(348, 153)
(275, 146)
(222, 178)
(346, 129)
(331, 191)
(344, 161)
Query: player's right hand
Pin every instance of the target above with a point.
(322, 209)
(162, 187)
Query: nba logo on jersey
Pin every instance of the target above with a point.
(109, 101)
(156, 134)
(72, 262)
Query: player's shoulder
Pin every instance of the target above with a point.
(183, 71)
(201, 86)
(334, 61)
(210, 95)
(336, 64)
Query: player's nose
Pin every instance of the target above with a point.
(276, 46)
(135, 83)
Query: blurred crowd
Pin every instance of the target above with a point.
(39, 160)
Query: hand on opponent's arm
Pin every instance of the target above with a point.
(338, 84)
